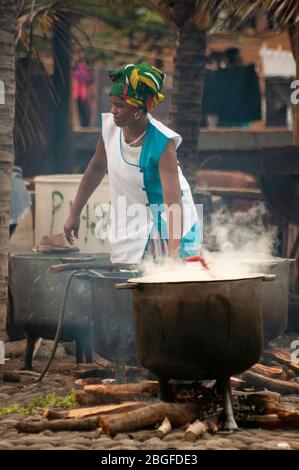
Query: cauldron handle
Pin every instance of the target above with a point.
(126, 285)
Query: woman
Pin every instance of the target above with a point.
(151, 201)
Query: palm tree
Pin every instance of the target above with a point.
(192, 20)
(56, 30)
(8, 14)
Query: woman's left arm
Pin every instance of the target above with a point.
(172, 199)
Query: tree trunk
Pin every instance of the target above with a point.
(7, 111)
(296, 116)
(61, 139)
(187, 92)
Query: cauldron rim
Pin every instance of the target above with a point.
(143, 281)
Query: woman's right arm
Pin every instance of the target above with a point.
(92, 177)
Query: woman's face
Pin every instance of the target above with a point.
(123, 113)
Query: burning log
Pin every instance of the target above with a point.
(164, 429)
(85, 424)
(178, 414)
(195, 430)
(116, 393)
(280, 386)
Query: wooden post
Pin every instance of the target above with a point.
(294, 229)
(7, 111)
(296, 114)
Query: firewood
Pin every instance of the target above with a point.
(195, 430)
(86, 424)
(105, 409)
(282, 358)
(213, 424)
(280, 386)
(147, 386)
(178, 414)
(164, 429)
(290, 417)
(267, 371)
(256, 402)
(290, 373)
(54, 414)
(117, 393)
(86, 399)
(270, 421)
(283, 417)
(80, 413)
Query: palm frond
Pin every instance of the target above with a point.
(241, 11)
(35, 34)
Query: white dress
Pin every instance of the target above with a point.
(136, 193)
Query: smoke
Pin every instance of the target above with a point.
(240, 242)
(175, 270)
(242, 234)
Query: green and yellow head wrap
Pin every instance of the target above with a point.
(138, 85)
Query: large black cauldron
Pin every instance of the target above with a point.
(38, 295)
(199, 330)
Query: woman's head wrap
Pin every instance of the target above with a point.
(138, 85)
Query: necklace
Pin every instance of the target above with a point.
(136, 140)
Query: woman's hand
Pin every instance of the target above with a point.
(92, 177)
(71, 228)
